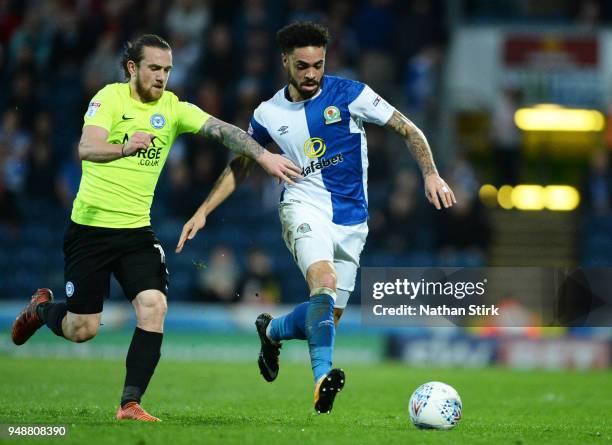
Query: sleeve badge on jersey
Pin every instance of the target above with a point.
(331, 115)
(376, 101)
(92, 109)
(303, 228)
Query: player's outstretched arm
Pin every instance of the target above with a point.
(93, 146)
(225, 185)
(436, 190)
(242, 144)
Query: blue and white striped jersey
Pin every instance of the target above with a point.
(325, 136)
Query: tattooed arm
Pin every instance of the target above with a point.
(416, 141)
(436, 189)
(242, 144)
(232, 137)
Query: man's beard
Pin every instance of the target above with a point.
(144, 94)
(304, 94)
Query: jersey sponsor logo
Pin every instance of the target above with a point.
(314, 148)
(376, 101)
(151, 157)
(331, 115)
(158, 121)
(322, 163)
(126, 118)
(92, 109)
(69, 289)
(283, 130)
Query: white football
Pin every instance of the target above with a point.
(435, 405)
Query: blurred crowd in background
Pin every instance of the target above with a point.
(56, 54)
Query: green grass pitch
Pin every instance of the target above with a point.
(231, 404)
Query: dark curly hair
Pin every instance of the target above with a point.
(300, 34)
(133, 50)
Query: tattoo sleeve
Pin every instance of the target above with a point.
(416, 141)
(232, 137)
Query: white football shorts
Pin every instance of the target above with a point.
(310, 237)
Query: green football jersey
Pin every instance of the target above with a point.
(118, 194)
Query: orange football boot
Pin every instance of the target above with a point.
(28, 321)
(133, 411)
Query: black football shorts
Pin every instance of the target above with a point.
(91, 254)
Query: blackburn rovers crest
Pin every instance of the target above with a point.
(331, 114)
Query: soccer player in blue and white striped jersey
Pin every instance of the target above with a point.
(317, 121)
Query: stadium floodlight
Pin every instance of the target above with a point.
(528, 197)
(504, 197)
(561, 197)
(488, 195)
(556, 198)
(551, 117)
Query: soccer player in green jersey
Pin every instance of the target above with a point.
(128, 132)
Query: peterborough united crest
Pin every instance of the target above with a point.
(331, 115)
(158, 121)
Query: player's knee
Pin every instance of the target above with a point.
(83, 334)
(322, 275)
(161, 308)
(158, 306)
(85, 331)
(80, 328)
(153, 305)
(328, 280)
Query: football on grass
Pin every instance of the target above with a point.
(435, 405)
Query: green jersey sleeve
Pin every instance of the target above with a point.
(101, 109)
(190, 118)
